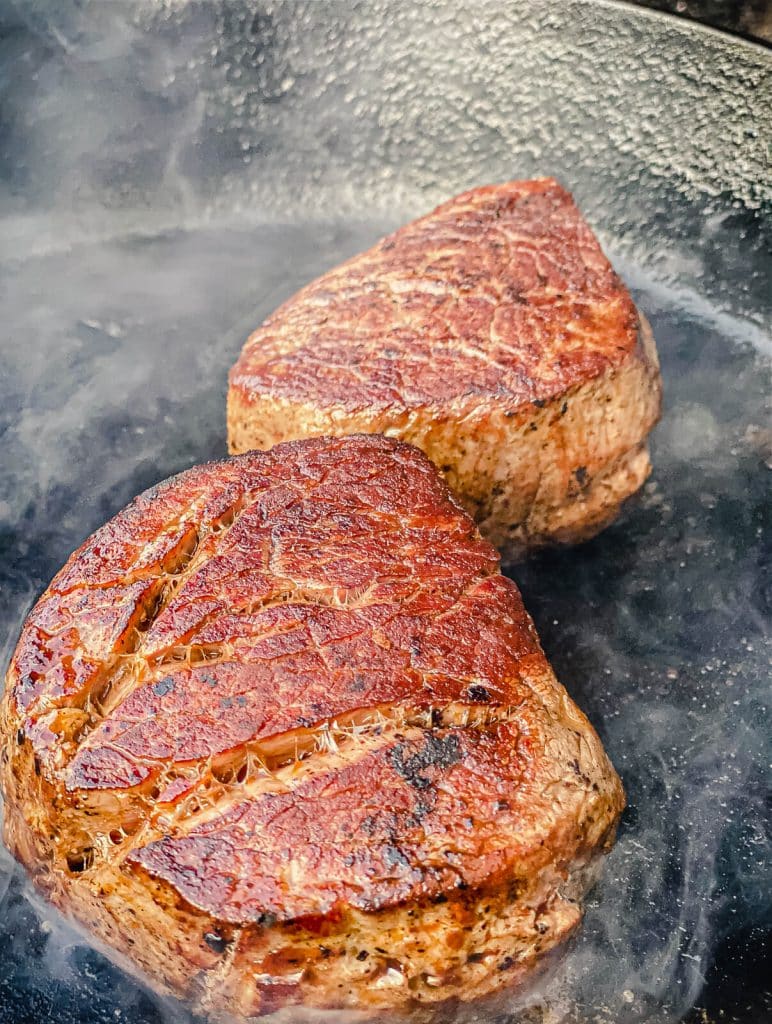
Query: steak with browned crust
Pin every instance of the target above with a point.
(281, 732)
(494, 335)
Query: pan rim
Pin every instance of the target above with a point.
(757, 47)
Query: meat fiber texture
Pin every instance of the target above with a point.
(494, 335)
(281, 732)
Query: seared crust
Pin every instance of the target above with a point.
(281, 732)
(493, 334)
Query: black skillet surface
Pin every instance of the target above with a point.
(751, 18)
(168, 176)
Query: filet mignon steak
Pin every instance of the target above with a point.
(281, 732)
(494, 335)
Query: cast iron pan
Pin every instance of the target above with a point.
(171, 172)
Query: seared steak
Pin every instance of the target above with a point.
(282, 732)
(494, 335)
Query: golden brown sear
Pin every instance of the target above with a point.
(494, 335)
(281, 732)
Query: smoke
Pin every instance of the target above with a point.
(169, 173)
(663, 635)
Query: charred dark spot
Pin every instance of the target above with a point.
(475, 958)
(575, 766)
(163, 686)
(267, 920)
(479, 694)
(368, 825)
(502, 805)
(37, 765)
(440, 898)
(581, 475)
(394, 857)
(540, 402)
(216, 942)
(507, 963)
(515, 295)
(564, 408)
(326, 952)
(80, 860)
(362, 954)
(419, 813)
(515, 889)
(440, 752)
(20, 737)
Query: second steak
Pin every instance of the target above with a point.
(494, 335)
